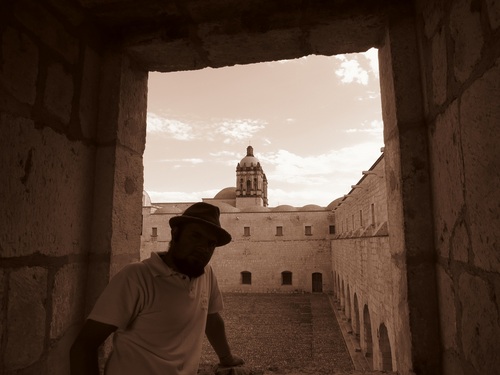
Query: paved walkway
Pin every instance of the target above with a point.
(293, 334)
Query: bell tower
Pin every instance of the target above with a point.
(251, 182)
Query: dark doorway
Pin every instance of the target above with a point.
(317, 282)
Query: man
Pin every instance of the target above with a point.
(159, 308)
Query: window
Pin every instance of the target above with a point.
(286, 278)
(246, 278)
(279, 231)
(246, 231)
(361, 218)
(332, 229)
(154, 232)
(308, 230)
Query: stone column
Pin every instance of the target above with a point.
(410, 220)
(121, 139)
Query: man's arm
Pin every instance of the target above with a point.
(216, 334)
(83, 354)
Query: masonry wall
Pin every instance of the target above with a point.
(62, 164)
(362, 266)
(263, 253)
(461, 75)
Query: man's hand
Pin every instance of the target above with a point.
(231, 361)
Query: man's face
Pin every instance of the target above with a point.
(193, 248)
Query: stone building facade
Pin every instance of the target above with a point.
(361, 264)
(73, 102)
(274, 249)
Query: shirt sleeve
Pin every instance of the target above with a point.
(215, 303)
(122, 299)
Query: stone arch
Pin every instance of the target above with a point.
(384, 345)
(367, 336)
(348, 304)
(342, 297)
(356, 324)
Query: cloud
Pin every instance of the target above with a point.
(193, 161)
(177, 129)
(375, 127)
(239, 129)
(352, 67)
(180, 196)
(317, 169)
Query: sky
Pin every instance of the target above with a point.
(314, 123)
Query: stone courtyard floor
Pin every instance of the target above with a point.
(291, 334)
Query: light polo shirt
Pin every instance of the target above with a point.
(161, 318)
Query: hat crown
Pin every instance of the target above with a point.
(203, 213)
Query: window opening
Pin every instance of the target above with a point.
(246, 278)
(286, 278)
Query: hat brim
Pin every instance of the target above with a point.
(223, 237)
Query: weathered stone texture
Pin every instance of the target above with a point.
(448, 311)
(67, 299)
(447, 166)
(19, 68)
(480, 325)
(26, 317)
(58, 95)
(46, 185)
(439, 67)
(493, 7)
(480, 138)
(89, 96)
(47, 28)
(466, 32)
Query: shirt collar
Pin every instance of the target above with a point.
(158, 267)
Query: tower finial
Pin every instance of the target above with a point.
(249, 151)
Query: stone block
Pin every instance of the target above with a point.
(35, 17)
(479, 324)
(51, 178)
(19, 68)
(460, 243)
(26, 317)
(447, 176)
(439, 67)
(479, 119)
(89, 95)
(493, 7)
(58, 95)
(466, 32)
(67, 299)
(447, 311)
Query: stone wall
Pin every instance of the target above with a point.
(73, 133)
(362, 266)
(263, 253)
(461, 66)
(66, 172)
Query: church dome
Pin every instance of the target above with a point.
(227, 193)
(284, 207)
(146, 200)
(249, 160)
(334, 203)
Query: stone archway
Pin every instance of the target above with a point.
(317, 282)
(367, 336)
(385, 349)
